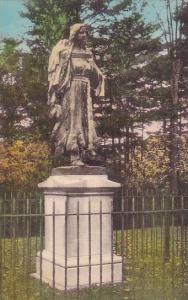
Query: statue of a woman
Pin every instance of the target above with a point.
(73, 77)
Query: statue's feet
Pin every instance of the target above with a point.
(93, 159)
(92, 154)
(76, 161)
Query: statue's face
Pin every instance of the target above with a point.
(82, 35)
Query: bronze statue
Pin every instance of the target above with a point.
(73, 77)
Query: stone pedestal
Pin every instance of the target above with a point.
(78, 229)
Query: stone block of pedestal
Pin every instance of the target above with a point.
(78, 229)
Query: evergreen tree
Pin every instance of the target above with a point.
(12, 99)
(120, 39)
(122, 44)
(172, 90)
(51, 20)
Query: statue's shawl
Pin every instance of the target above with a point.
(59, 61)
(59, 65)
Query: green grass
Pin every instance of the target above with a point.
(148, 276)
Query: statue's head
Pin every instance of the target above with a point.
(79, 33)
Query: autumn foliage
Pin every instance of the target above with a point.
(150, 164)
(23, 164)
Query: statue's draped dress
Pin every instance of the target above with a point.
(75, 131)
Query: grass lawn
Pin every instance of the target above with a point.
(148, 276)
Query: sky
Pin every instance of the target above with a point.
(13, 25)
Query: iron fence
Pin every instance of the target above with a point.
(149, 234)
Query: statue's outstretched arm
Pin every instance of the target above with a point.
(98, 81)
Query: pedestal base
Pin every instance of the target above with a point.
(73, 276)
(78, 229)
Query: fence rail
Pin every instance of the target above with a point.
(149, 233)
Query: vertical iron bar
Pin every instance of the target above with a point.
(177, 229)
(4, 230)
(89, 233)
(28, 244)
(162, 225)
(147, 219)
(11, 243)
(163, 243)
(14, 247)
(185, 213)
(78, 245)
(24, 235)
(172, 232)
(41, 242)
(112, 254)
(53, 246)
(17, 229)
(133, 225)
(156, 226)
(137, 248)
(100, 217)
(37, 223)
(153, 245)
(127, 220)
(143, 228)
(153, 227)
(66, 241)
(22, 230)
(11, 240)
(30, 234)
(167, 237)
(116, 225)
(182, 242)
(122, 232)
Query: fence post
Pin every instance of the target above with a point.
(166, 234)
(41, 243)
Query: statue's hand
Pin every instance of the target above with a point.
(55, 111)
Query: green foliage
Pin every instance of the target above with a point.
(9, 59)
(122, 44)
(35, 84)
(51, 19)
(12, 98)
(23, 95)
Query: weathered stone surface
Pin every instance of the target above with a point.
(75, 179)
(82, 247)
(79, 170)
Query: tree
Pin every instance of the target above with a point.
(51, 20)
(12, 99)
(173, 88)
(23, 94)
(122, 43)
